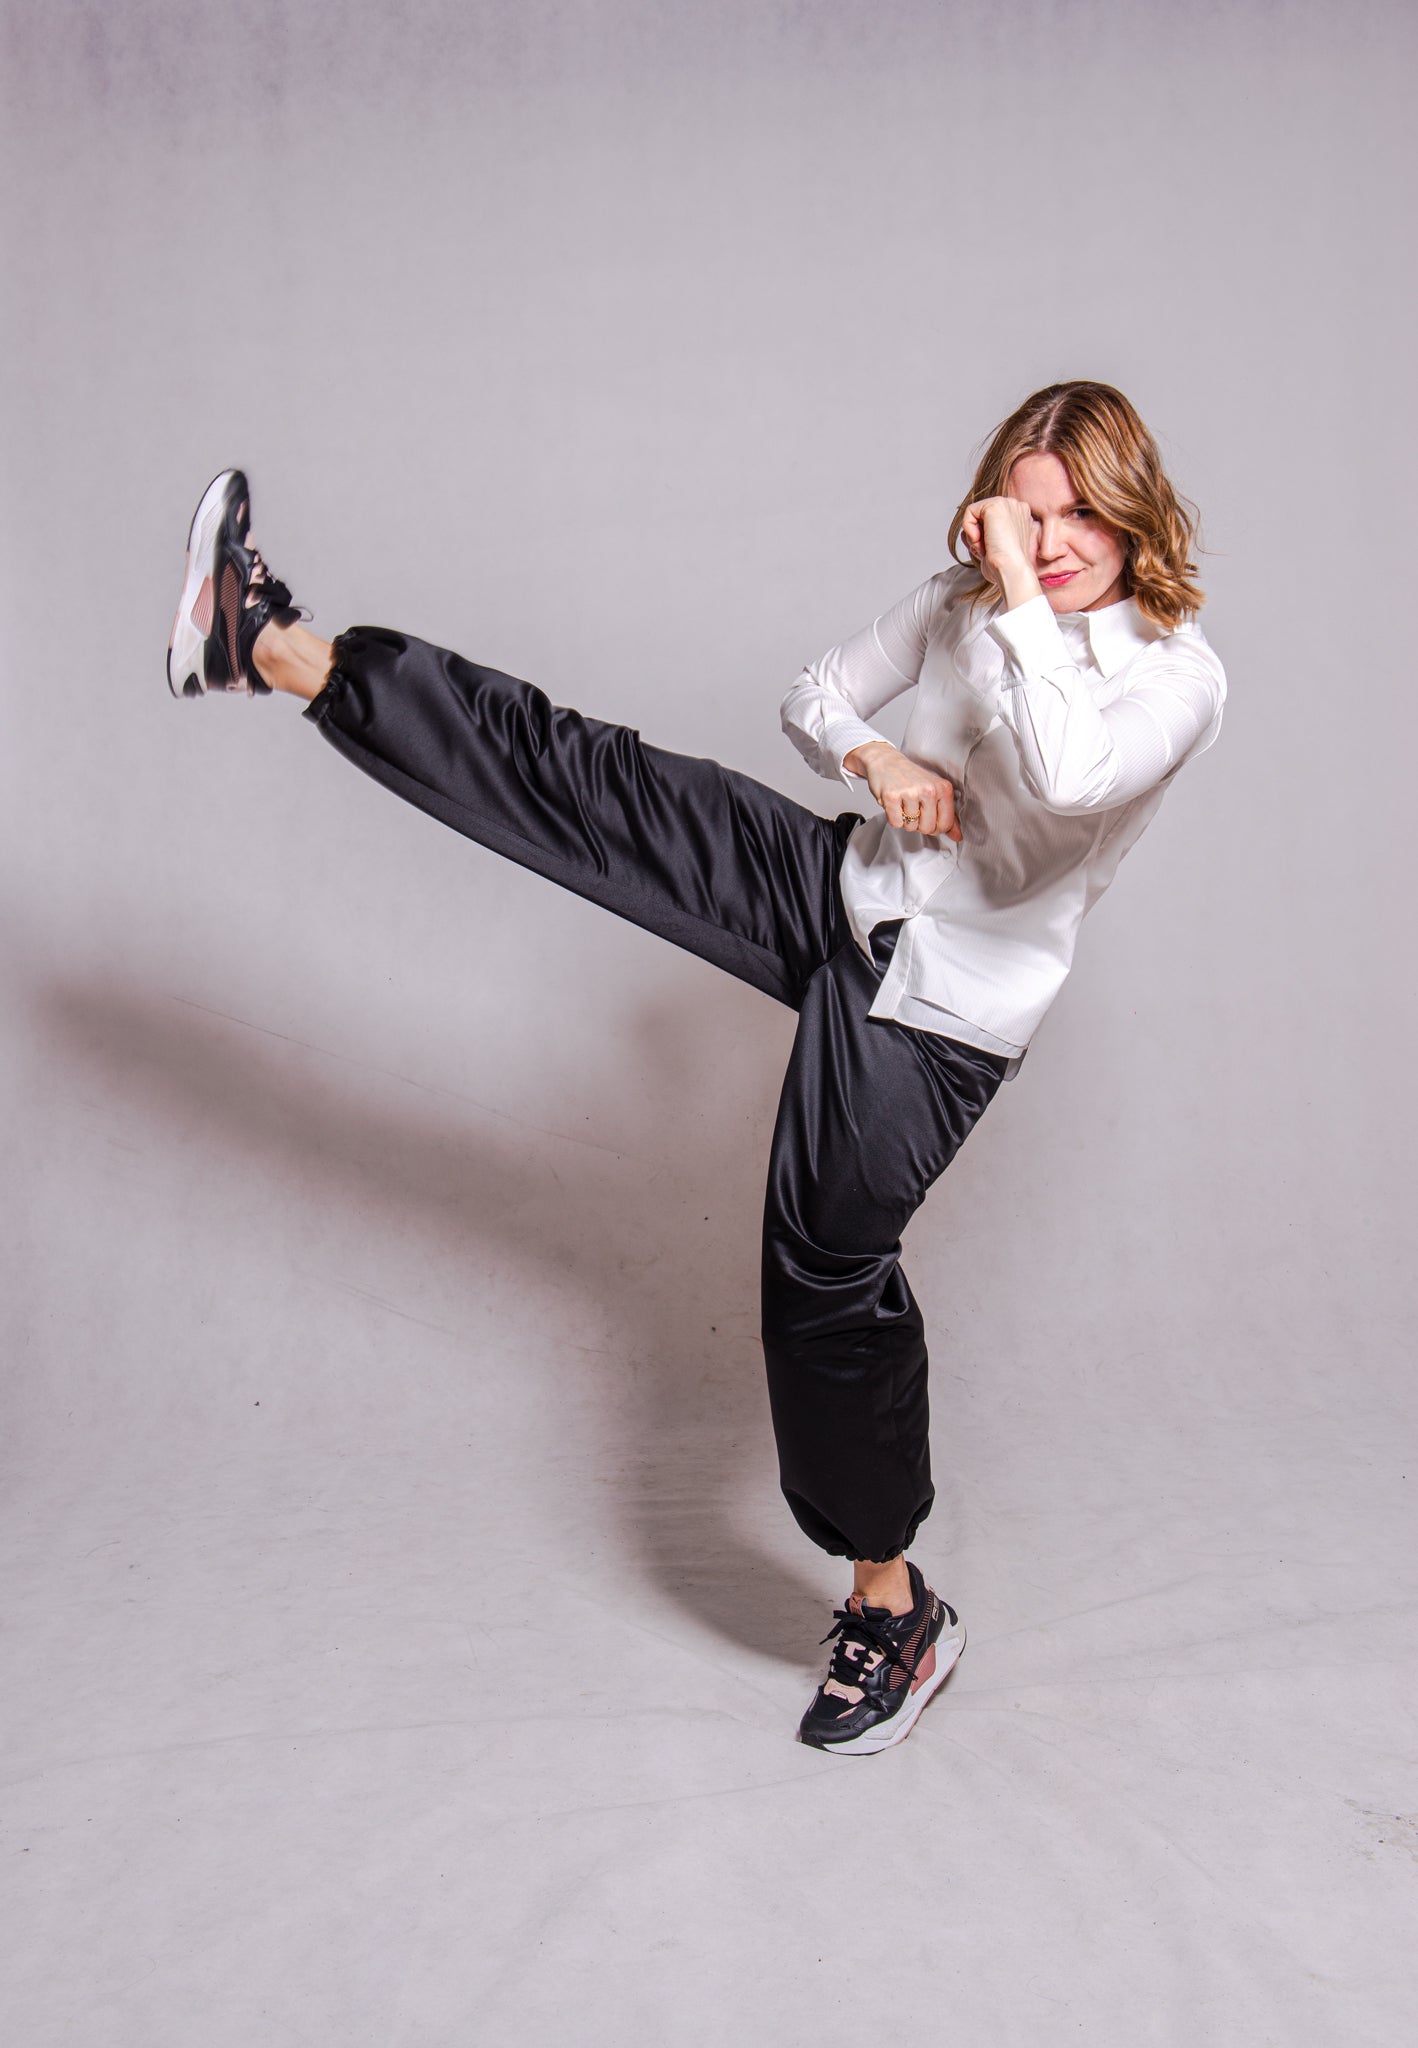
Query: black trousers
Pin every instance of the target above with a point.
(871, 1111)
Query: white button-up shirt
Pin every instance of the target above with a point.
(1059, 734)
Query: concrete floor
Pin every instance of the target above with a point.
(295, 1753)
(373, 1679)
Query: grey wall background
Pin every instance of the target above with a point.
(365, 1296)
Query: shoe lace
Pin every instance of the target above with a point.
(849, 1627)
(263, 584)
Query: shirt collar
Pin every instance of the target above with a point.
(1114, 634)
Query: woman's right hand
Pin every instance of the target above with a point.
(913, 799)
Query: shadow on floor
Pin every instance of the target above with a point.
(483, 1192)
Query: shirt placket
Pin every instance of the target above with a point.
(900, 978)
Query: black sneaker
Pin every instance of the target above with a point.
(228, 596)
(884, 1668)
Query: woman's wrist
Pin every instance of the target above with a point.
(1018, 583)
(855, 763)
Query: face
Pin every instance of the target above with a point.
(1078, 560)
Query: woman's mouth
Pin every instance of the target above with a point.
(1065, 576)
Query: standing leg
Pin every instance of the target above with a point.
(871, 1114)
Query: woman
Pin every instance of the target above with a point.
(1060, 684)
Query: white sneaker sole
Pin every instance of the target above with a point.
(187, 644)
(887, 1734)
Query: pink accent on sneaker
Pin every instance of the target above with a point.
(230, 589)
(925, 1669)
(203, 608)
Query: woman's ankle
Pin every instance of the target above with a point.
(289, 658)
(883, 1585)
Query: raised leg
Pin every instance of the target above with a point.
(707, 858)
(290, 659)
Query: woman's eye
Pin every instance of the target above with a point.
(1083, 511)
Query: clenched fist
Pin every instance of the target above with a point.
(914, 799)
(1001, 534)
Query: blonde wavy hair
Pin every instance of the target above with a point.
(1114, 466)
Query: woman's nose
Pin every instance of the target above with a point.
(1051, 539)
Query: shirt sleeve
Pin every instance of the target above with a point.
(1078, 756)
(827, 711)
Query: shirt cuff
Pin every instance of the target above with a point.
(1032, 643)
(839, 735)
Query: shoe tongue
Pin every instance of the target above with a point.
(871, 1613)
